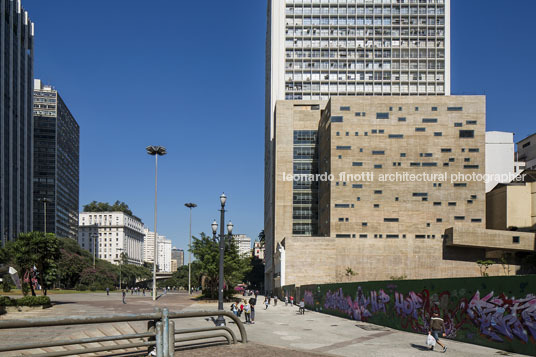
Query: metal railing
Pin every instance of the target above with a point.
(160, 335)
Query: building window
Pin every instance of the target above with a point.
(439, 220)
(357, 185)
(429, 164)
(363, 235)
(438, 133)
(376, 205)
(378, 152)
(357, 163)
(471, 122)
(341, 205)
(434, 109)
(390, 220)
(345, 109)
(446, 150)
(364, 224)
(415, 164)
(378, 166)
(454, 109)
(452, 203)
(474, 150)
(382, 115)
(420, 129)
(476, 220)
(377, 192)
(396, 136)
(392, 236)
(416, 109)
(420, 236)
(460, 184)
(515, 239)
(402, 154)
(458, 125)
(526, 144)
(437, 203)
(402, 119)
(467, 133)
(429, 120)
(337, 119)
(470, 166)
(420, 194)
(342, 236)
(340, 147)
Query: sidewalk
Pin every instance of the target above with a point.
(282, 327)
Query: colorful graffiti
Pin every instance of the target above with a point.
(471, 310)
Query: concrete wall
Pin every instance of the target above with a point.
(499, 155)
(498, 312)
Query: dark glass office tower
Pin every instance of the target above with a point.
(16, 92)
(56, 164)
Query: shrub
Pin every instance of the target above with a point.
(33, 301)
(6, 287)
(81, 287)
(5, 301)
(93, 287)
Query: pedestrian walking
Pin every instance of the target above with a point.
(252, 303)
(124, 296)
(302, 307)
(143, 291)
(291, 300)
(437, 327)
(275, 300)
(247, 312)
(266, 303)
(286, 300)
(234, 309)
(107, 291)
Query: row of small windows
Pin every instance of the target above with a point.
(385, 115)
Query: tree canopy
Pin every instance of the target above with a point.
(118, 206)
(206, 252)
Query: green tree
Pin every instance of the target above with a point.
(483, 265)
(40, 250)
(118, 206)
(206, 252)
(255, 277)
(262, 238)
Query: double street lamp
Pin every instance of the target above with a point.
(190, 205)
(155, 151)
(220, 321)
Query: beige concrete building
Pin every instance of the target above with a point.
(174, 265)
(512, 206)
(382, 187)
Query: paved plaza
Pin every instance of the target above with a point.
(278, 331)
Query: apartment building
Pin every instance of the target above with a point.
(164, 251)
(108, 234)
(56, 164)
(16, 127)
(243, 242)
(384, 186)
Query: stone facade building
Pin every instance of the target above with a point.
(397, 190)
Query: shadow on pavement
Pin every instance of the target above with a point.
(420, 347)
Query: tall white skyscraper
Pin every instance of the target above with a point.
(317, 49)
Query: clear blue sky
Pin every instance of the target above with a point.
(189, 75)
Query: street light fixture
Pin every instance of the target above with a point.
(220, 321)
(155, 151)
(190, 205)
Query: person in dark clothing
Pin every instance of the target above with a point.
(124, 296)
(437, 327)
(252, 302)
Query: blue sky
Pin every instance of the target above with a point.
(189, 75)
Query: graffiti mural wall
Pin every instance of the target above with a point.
(498, 312)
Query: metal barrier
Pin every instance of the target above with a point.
(161, 332)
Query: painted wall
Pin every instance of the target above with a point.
(498, 312)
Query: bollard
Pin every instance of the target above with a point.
(171, 338)
(165, 331)
(159, 340)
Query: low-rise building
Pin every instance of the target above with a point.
(526, 152)
(258, 250)
(108, 234)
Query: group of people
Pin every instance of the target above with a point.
(246, 307)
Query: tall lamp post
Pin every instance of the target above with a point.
(190, 205)
(220, 321)
(155, 151)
